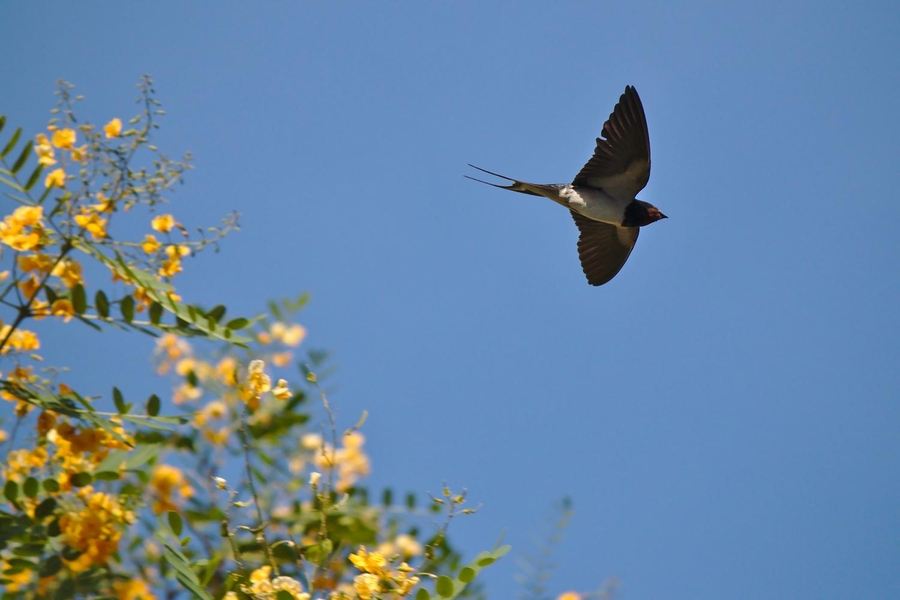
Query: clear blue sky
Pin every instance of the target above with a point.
(724, 413)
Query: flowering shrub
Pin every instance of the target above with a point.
(233, 493)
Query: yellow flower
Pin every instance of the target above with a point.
(163, 223)
(64, 138)
(569, 596)
(258, 382)
(44, 150)
(79, 154)
(150, 244)
(133, 589)
(172, 265)
(63, 308)
(56, 178)
(289, 335)
(107, 205)
(30, 287)
(69, 270)
(281, 390)
(367, 585)
(368, 562)
(95, 530)
(21, 340)
(166, 480)
(113, 129)
(92, 222)
(34, 262)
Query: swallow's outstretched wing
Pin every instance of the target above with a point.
(603, 248)
(621, 162)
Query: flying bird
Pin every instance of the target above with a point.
(602, 198)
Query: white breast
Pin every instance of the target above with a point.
(594, 204)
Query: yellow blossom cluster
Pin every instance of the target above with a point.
(375, 580)
(20, 340)
(166, 481)
(95, 529)
(63, 139)
(132, 589)
(24, 229)
(350, 462)
(263, 587)
(404, 545)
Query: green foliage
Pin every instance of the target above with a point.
(227, 488)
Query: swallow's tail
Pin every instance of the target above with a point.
(522, 187)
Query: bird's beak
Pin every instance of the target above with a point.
(662, 216)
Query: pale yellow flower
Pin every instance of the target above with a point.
(150, 244)
(281, 390)
(56, 178)
(64, 138)
(113, 129)
(163, 223)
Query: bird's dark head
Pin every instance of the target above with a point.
(639, 213)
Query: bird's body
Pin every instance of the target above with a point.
(602, 197)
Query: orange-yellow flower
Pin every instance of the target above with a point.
(163, 223)
(167, 480)
(133, 589)
(69, 270)
(569, 596)
(92, 222)
(95, 530)
(150, 244)
(56, 178)
(21, 340)
(30, 287)
(290, 335)
(368, 562)
(106, 205)
(34, 262)
(63, 308)
(64, 138)
(113, 129)
(79, 154)
(281, 390)
(44, 150)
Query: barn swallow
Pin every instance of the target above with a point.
(601, 198)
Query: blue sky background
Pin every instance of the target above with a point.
(724, 413)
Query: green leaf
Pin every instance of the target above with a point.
(30, 487)
(189, 319)
(156, 311)
(284, 595)
(127, 308)
(50, 485)
(153, 405)
(285, 550)
(119, 401)
(11, 491)
(34, 177)
(106, 476)
(81, 479)
(423, 594)
(50, 566)
(79, 299)
(12, 142)
(216, 313)
(175, 522)
(45, 508)
(387, 497)
(66, 589)
(2, 121)
(101, 303)
(467, 574)
(160, 423)
(444, 587)
(236, 324)
(23, 158)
